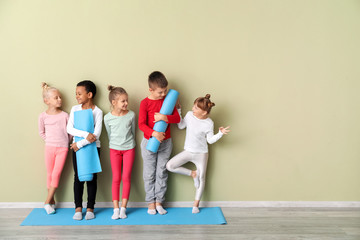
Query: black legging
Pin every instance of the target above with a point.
(79, 187)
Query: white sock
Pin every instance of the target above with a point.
(49, 209)
(89, 215)
(116, 214)
(197, 179)
(161, 210)
(151, 211)
(53, 206)
(77, 216)
(123, 213)
(195, 210)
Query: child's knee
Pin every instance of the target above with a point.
(116, 181)
(126, 180)
(148, 176)
(169, 166)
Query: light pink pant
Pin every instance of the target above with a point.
(125, 160)
(55, 158)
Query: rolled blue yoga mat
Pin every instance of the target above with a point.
(87, 157)
(166, 109)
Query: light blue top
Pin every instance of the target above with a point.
(121, 130)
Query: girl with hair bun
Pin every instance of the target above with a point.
(120, 126)
(199, 132)
(52, 129)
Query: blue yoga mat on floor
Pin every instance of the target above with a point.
(135, 216)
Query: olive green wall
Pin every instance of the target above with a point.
(284, 75)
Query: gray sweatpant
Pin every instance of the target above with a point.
(154, 170)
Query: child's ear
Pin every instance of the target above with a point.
(113, 102)
(90, 94)
(46, 101)
(151, 90)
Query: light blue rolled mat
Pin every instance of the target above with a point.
(87, 157)
(167, 108)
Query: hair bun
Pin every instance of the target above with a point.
(44, 85)
(110, 87)
(204, 103)
(210, 104)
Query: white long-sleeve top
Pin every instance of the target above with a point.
(98, 118)
(199, 132)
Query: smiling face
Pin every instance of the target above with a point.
(82, 96)
(157, 93)
(198, 112)
(53, 99)
(120, 102)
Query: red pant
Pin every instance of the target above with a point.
(118, 159)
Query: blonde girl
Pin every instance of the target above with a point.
(199, 132)
(120, 127)
(52, 129)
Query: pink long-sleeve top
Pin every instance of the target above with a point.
(52, 128)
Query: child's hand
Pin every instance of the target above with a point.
(74, 147)
(177, 105)
(91, 138)
(224, 130)
(159, 117)
(158, 135)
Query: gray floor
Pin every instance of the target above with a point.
(243, 223)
